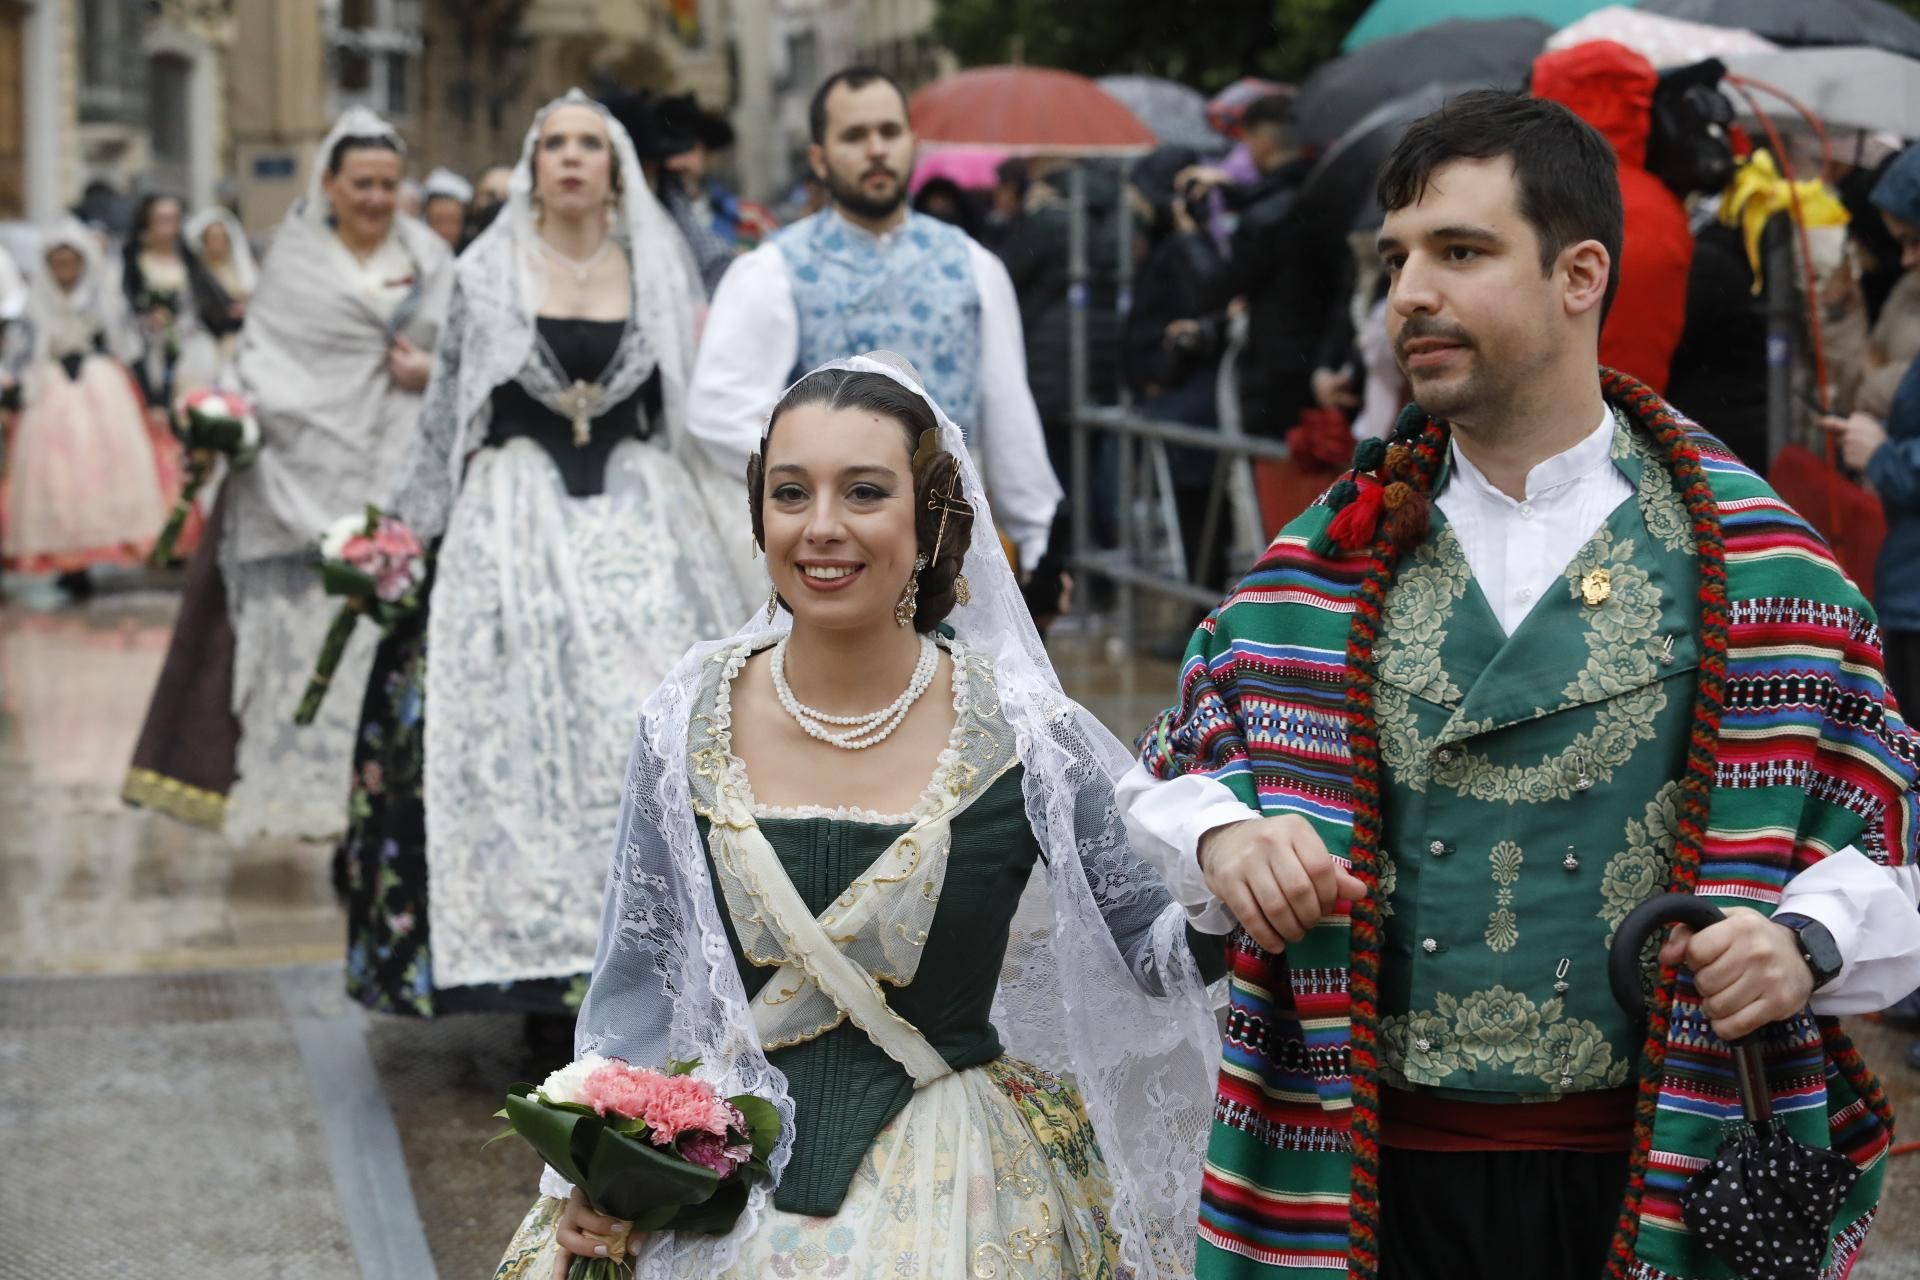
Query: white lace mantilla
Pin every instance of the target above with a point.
(552, 618)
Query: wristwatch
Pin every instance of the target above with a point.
(1816, 946)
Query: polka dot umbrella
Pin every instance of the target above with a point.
(1765, 1204)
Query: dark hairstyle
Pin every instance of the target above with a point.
(358, 142)
(1569, 186)
(1275, 108)
(853, 78)
(937, 472)
(966, 213)
(143, 212)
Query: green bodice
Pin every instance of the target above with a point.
(1530, 800)
(844, 1088)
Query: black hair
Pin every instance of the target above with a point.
(853, 78)
(966, 213)
(358, 142)
(934, 472)
(1275, 108)
(1567, 174)
(143, 213)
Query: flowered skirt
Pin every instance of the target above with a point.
(992, 1171)
(382, 861)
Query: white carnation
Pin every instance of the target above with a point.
(565, 1084)
(213, 406)
(333, 543)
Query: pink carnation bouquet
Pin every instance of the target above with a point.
(375, 562)
(660, 1149)
(208, 423)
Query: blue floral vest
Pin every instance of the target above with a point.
(912, 292)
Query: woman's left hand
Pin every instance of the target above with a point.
(1860, 437)
(408, 365)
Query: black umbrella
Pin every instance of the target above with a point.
(1873, 22)
(1765, 1205)
(1496, 54)
(1339, 190)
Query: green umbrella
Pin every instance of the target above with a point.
(1393, 17)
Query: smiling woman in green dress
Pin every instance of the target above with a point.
(870, 869)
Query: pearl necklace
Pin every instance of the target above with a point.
(581, 267)
(859, 732)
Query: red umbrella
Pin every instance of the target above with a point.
(1026, 111)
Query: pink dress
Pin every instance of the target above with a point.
(84, 482)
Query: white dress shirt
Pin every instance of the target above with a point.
(1517, 550)
(752, 340)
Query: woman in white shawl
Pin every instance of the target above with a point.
(83, 484)
(785, 850)
(336, 350)
(229, 277)
(575, 563)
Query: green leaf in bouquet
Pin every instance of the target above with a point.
(763, 1124)
(337, 579)
(716, 1215)
(634, 1180)
(561, 1136)
(677, 1068)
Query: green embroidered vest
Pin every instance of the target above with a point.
(1530, 800)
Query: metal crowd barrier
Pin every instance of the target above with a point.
(1232, 507)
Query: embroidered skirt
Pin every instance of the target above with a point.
(992, 1171)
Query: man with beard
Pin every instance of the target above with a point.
(1547, 652)
(864, 274)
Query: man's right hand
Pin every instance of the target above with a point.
(1276, 876)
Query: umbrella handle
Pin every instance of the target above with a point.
(1623, 976)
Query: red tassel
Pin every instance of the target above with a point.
(1353, 528)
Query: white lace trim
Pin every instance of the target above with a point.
(929, 800)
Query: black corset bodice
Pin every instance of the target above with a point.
(584, 349)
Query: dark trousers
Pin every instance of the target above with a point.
(1469, 1215)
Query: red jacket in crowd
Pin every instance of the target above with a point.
(1611, 87)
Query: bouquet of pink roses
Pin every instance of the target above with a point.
(661, 1149)
(376, 562)
(207, 423)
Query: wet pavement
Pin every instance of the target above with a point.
(185, 1090)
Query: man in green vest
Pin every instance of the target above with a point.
(1547, 653)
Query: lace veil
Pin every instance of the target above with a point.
(246, 271)
(1134, 1029)
(96, 296)
(489, 339)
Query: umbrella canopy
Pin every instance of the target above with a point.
(1026, 111)
(973, 168)
(1176, 114)
(1871, 22)
(1339, 190)
(1852, 87)
(1765, 1204)
(1397, 17)
(1226, 107)
(1497, 54)
(1663, 41)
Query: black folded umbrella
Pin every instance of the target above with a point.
(1766, 1203)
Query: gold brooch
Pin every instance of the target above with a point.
(1596, 587)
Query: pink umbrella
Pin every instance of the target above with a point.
(972, 168)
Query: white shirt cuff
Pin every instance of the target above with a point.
(1165, 821)
(1873, 913)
